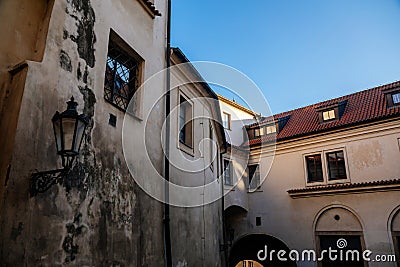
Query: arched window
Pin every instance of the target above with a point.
(339, 229)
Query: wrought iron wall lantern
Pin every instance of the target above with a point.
(69, 129)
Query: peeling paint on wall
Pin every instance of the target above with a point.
(366, 155)
(65, 61)
(84, 15)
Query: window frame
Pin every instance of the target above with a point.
(228, 121)
(307, 169)
(389, 94)
(329, 113)
(126, 51)
(188, 148)
(257, 171)
(211, 152)
(224, 160)
(325, 170)
(271, 126)
(329, 166)
(393, 99)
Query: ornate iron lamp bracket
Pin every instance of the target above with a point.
(42, 181)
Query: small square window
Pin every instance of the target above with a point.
(336, 165)
(314, 168)
(257, 132)
(121, 76)
(328, 115)
(226, 120)
(258, 221)
(227, 172)
(112, 120)
(396, 98)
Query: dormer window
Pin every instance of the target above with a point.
(396, 98)
(332, 112)
(328, 115)
(392, 96)
(270, 129)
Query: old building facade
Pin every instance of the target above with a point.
(100, 213)
(334, 174)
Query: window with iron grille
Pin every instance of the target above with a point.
(121, 77)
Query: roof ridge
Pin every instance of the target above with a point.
(339, 97)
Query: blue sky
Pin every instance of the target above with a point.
(297, 52)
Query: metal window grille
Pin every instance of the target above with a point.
(120, 81)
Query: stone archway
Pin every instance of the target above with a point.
(395, 229)
(247, 247)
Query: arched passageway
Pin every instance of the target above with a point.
(248, 247)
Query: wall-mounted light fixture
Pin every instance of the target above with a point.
(69, 129)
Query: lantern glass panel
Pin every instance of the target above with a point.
(68, 126)
(79, 134)
(57, 133)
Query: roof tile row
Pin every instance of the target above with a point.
(362, 107)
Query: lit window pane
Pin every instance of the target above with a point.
(271, 129)
(396, 98)
(328, 115)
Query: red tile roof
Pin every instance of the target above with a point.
(150, 7)
(362, 107)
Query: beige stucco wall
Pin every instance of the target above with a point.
(201, 224)
(239, 118)
(372, 153)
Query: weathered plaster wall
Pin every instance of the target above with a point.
(23, 27)
(101, 218)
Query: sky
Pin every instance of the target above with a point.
(297, 52)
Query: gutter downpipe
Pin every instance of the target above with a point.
(225, 246)
(166, 221)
